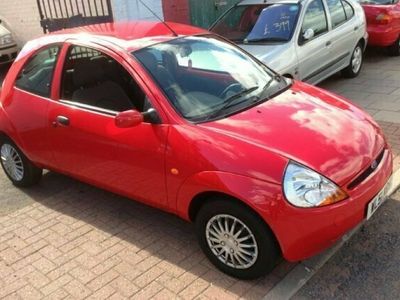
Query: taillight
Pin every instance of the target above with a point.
(383, 19)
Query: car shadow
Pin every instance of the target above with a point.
(147, 231)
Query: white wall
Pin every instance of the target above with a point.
(133, 10)
(22, 17)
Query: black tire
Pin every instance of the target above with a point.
(31, 174)
(268, 251)
(351, 71)
(394, 49)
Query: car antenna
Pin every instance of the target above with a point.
(161, 20)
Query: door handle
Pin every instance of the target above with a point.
(328, 43)
(61, 120)
(356, 28)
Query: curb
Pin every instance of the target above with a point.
(305, 270)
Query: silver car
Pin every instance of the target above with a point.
(8, 47)
(307, 40)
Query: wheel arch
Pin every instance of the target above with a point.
(260, 197)
(362, 41)
(204, 198)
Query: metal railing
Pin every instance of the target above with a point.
(60, 14)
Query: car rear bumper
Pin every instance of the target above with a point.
(381, 36)
(8, 54)
(305, 232)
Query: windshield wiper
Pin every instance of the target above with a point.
(230, 102)
(266, 39)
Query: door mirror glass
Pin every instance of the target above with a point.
(308, 34)
(129, 118)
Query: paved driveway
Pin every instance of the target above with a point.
(64, 238)
(367, 267)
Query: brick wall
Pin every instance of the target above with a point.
(22, 17)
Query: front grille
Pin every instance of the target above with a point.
(367, 172)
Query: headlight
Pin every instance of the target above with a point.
(6, 39)
(304, 187)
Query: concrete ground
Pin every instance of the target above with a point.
(65, 239)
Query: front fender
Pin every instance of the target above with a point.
(263, 197)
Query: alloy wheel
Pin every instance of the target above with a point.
(356, 60)
(231, 241)
(12, 162)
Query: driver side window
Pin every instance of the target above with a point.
(94, 79)
(315, 19)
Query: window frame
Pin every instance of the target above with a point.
(330, 15)
(53, 77)
(352, 8)
(300, 40)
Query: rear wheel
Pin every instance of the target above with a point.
(394, 49)
(357, 59)
(17, 166)
(236, 240)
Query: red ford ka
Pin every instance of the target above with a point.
(185, 121)
(383, 18)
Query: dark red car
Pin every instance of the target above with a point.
(383, 24)
(190, 123)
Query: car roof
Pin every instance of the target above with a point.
(131, 36)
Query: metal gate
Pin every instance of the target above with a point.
(60, 14)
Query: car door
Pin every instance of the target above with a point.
(313, 52)
(87, 144)
(343, 29)
(27, 106)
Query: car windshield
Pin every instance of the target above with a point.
(206, 78)
(258, 23)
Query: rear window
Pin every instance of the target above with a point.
(379, 2)
(259, 23)
(37, 74)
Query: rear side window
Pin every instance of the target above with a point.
(37, 74)
(336, 10)
(348, 9)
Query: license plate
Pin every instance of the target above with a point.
(378, 199)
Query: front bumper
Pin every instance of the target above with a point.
(8, 53)
(382, 36)
(305, 232)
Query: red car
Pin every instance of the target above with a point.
(186, 121)
(383, 24)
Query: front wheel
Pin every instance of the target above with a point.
(357, 59)
(236, 240)
(17, 167)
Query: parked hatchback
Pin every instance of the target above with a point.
(8, 47)
(383, 19)
(190, 123)
(308, 40)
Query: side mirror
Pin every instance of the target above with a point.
(308, 34)
(129, 118)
